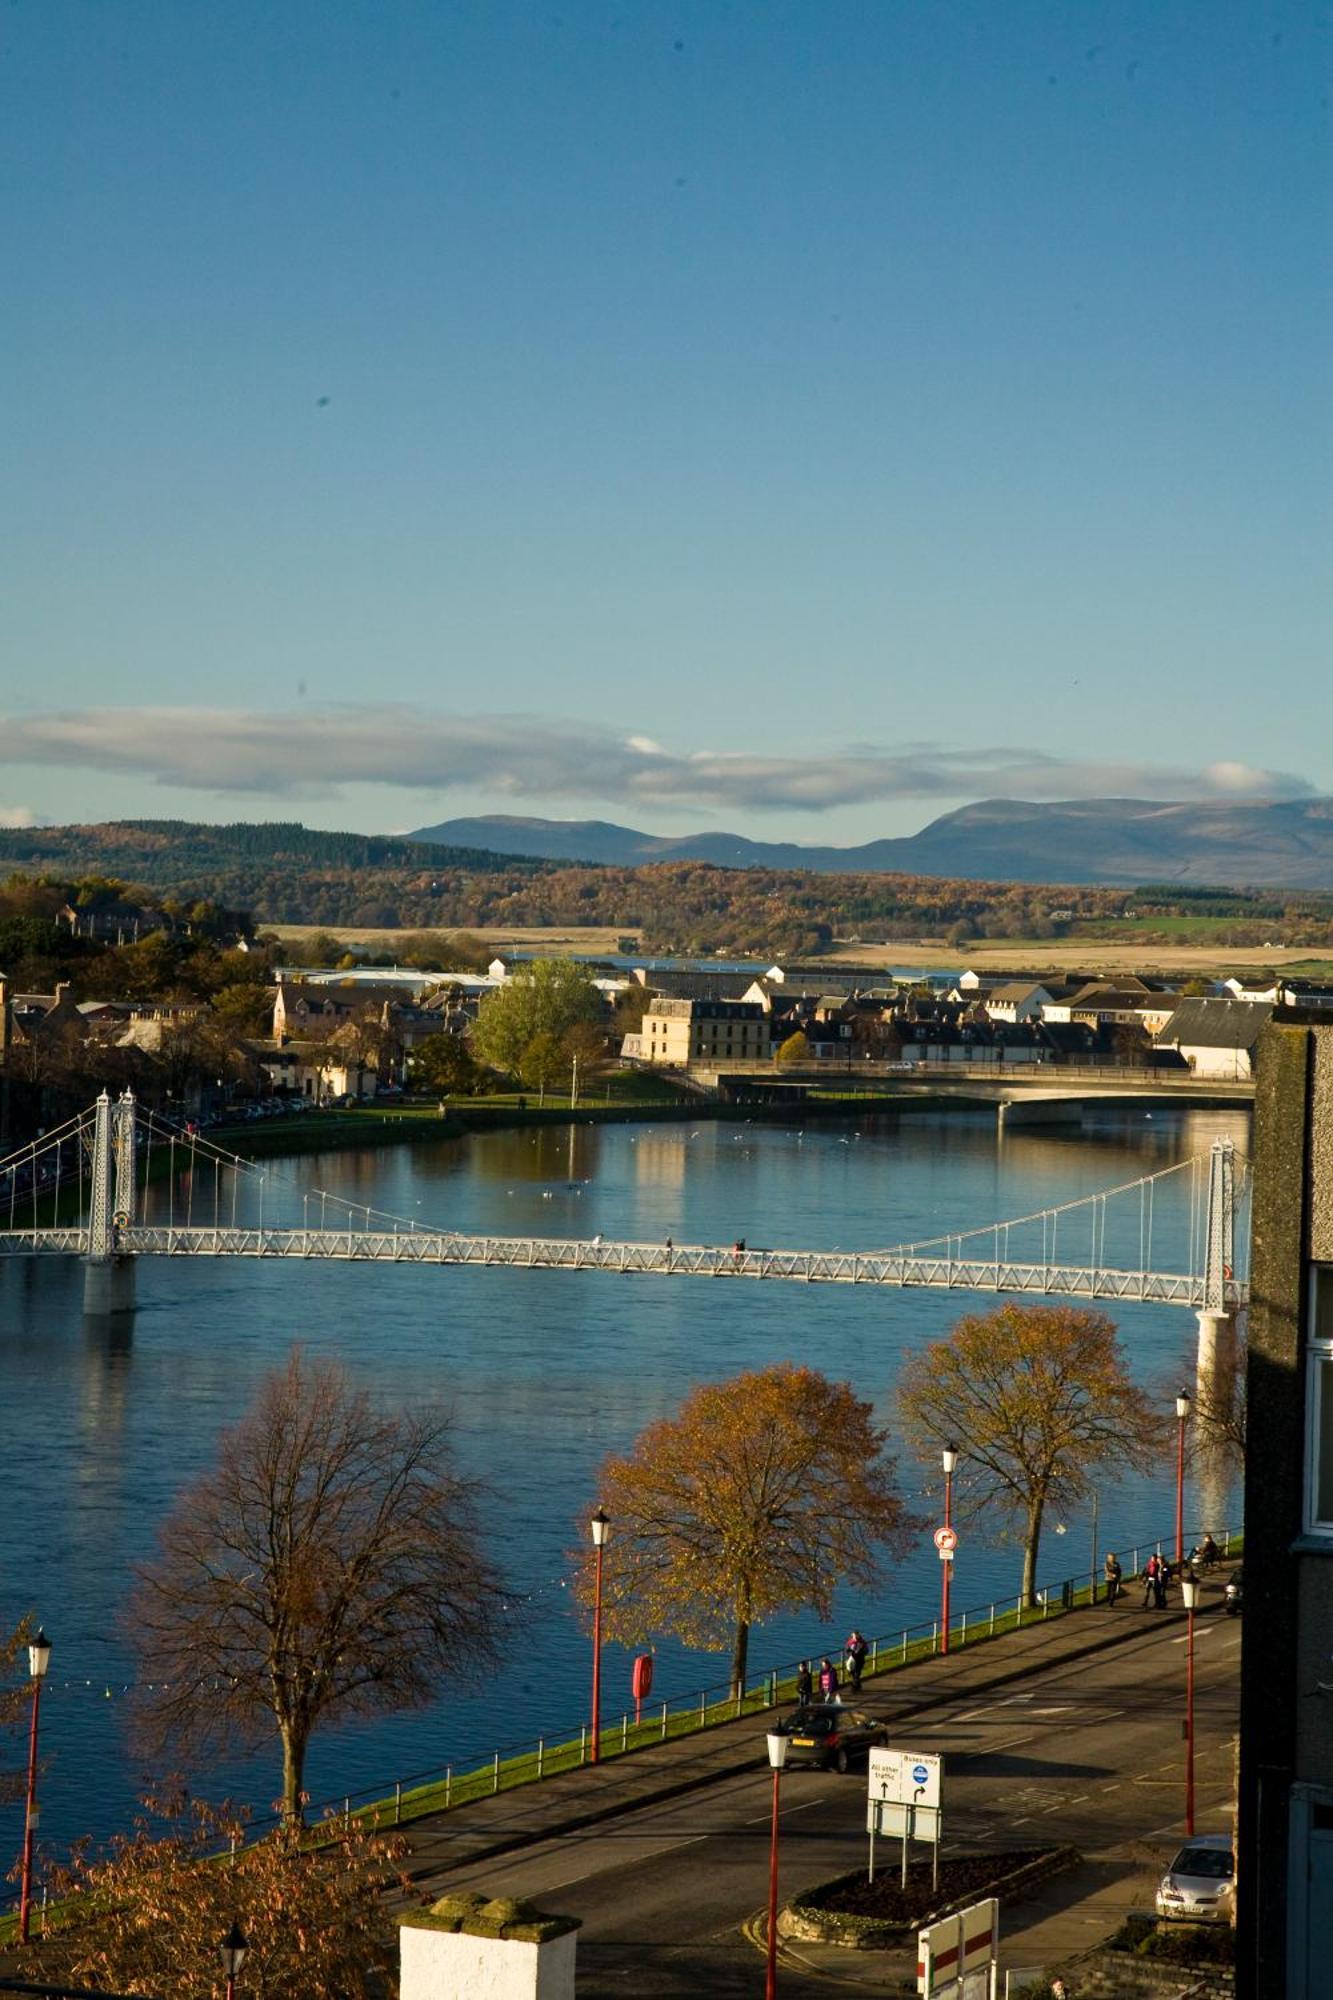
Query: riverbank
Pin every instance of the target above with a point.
(410, 1125)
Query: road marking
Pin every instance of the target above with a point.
(762, 1818)
(670, 1848)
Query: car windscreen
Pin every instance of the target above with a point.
(809, 1724)
(1211, 1861)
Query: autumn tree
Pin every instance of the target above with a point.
(147, 1916)
(796, 1049)
(546, 997)
(327, 1567)
(763, 1493)
(444, 1063)
(1036, 1399)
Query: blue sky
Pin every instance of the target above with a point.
(800, 418)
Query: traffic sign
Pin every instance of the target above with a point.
(946, 1538)
(905, 1777)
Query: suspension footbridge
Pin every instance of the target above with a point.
(119, 1183)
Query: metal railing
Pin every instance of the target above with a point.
(460, 1782)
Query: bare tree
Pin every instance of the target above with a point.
(328, 1565)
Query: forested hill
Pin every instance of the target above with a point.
(289, 874)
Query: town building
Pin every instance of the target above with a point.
(684, 1031)
(1217, 1038)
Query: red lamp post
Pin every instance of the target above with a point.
(39, 1659)
(777, 1757)
(1182, 1417)
(1189, 1591)
(600, 1526)
(949, 1459)
(234, 1948)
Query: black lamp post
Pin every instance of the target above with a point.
(39, 1659)
(600, 1525)
(234, 1948)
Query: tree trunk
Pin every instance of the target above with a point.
(739, 1655)
(1031, 1540)
(293, 1770)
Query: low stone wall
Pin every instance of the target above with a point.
(806, 1921)
(1109, 1975)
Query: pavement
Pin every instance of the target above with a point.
(1067, 1731)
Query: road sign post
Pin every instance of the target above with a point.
(904, 1799)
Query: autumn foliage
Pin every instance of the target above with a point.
(149, 1916)
(1036, 1399)
(763, 1493)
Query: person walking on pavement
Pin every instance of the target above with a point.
(1160, 1582)
(856, 1651)
(828, 1679)
(805, 1684)
(1150, 1569)
(1114, 1573)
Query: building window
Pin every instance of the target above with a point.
(1319, 1455)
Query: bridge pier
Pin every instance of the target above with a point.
(1216, 1362)
(1020, 1111)
(108, 1286)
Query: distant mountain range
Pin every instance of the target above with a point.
(1220, 843)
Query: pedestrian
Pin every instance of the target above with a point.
(1160, 1582)
(670, 1246)
(1150, 1581)
(856, 1650)
(828, 1679)
(805, 1684)
(1114, 1573)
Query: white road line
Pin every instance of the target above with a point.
(670, 1848)
(762, 1818)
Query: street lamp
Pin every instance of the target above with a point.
(777, 1757)
(39, 1659)
(234, 1948)
(600, 1526)
(1182, 1417)
(949, 1460)
(1189, 1591)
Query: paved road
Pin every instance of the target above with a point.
(1089, 1751)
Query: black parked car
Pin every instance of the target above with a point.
(830, 1736)
(1235, 1592)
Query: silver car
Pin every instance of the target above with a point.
(1197, 1887)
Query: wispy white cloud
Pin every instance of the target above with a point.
(19, 816)
(313, 753)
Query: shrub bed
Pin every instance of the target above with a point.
(875, 1916)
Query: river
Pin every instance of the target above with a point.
(545, 1373)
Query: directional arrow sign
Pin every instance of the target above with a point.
(946, 1538)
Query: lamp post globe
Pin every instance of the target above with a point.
(777, 1757)
(233, 1949)
(599, 1527)
(39, 1659)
